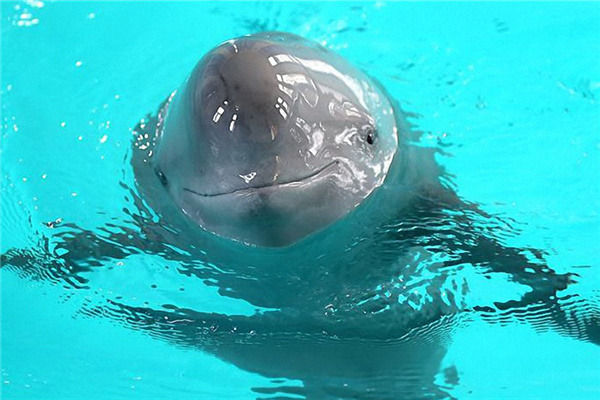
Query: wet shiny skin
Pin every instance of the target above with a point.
(270, 139)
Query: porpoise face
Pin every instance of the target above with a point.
(272, 138)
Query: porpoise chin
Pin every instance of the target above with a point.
(272, 138)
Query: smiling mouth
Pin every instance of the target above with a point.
(321, 172)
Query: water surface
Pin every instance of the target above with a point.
(498, 299)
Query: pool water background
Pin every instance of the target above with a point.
(507, 91)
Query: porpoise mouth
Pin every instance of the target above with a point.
(321, 172)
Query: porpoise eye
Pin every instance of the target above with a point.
(370, 135)
(161, 176)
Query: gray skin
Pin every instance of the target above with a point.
(270, 139)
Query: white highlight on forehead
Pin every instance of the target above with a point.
(300, 123)
(323, 67)
(318, 67)
(316, 141)
(281, 105)
(344, 136)
(285, 90)
(280, 58)
(277, 161)
(352, 111)
(218, 114)
(248, 177)
(232, 123)
(232, 42)
(292, 79)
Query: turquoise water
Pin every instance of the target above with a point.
(451, 304)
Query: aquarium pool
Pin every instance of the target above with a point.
(506, 93)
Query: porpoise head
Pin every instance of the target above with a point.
(273, 137)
